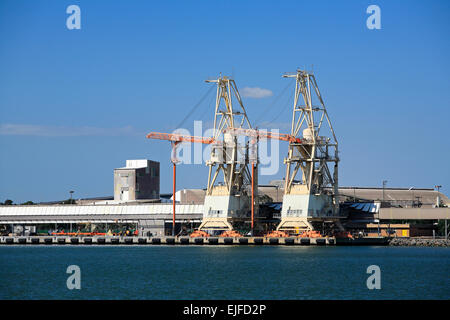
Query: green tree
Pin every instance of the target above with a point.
(69, 201)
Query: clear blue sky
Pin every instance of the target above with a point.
(75, 104)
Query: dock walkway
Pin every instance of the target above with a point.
(105, 240)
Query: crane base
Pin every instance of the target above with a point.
(295, 224)
(215, 224)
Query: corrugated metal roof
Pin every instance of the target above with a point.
(99, 209)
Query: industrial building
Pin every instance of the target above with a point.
(136, 204)
(393, 197)
(147, 219)
(138, 180)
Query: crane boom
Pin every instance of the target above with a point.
(177, 138)
(264, 135)
(237, 131)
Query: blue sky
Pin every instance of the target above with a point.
(75, 104)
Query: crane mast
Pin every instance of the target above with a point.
(230, 200)
(311, 182)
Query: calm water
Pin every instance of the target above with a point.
(165, 272)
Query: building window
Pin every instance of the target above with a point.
(214, 213)
(294, 213)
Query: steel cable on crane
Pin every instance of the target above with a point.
(195, 107)
(208, 107)
(257, 122)
(284, 108)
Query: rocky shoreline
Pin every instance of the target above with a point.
(419, 242)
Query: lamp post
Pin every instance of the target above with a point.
(71, 192)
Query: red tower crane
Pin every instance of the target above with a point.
(176, 139)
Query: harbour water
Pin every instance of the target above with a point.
(223, 272)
